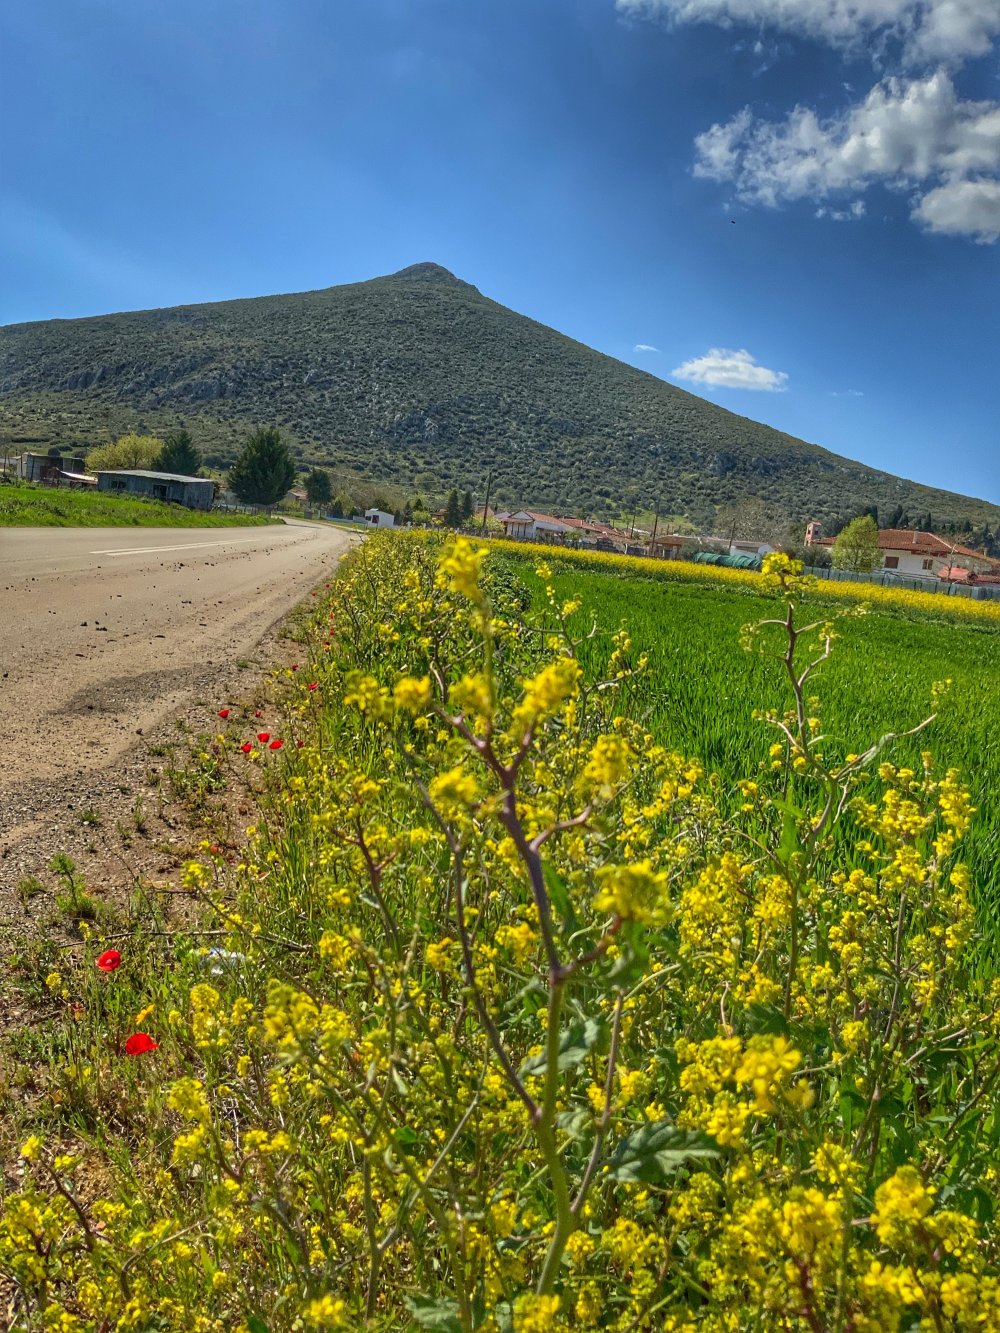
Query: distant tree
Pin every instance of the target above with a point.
(264, 471)
(927, 523)
(453, 511)
(857, 548)
(749, 519)
(897, 517)
(318, 488)
(467, 507)
(180, 455)
(128, 451)
(345, 503)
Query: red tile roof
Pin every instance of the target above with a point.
(916, 542)
(959, 574)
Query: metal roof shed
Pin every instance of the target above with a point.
(193, 492)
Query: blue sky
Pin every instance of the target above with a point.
(583, 161)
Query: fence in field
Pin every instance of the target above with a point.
(984, 592)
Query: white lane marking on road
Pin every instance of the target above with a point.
(188, 546)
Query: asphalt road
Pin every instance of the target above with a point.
(108, 631)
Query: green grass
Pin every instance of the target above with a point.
(702, 688)
(44, 507)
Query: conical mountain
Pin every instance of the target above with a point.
(418, 378)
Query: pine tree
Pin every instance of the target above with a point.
(318, 488)
(467, 509)
(180, 455)
(453, 511)
(264, 470)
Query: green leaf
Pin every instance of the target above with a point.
(656, 1152)
(558, 893)
(575, 1123)
(575, 1044)
(256, 1325)
(633, 956)
(406, 1139)
(441, 1315)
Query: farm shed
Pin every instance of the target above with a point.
(193, 492)
(48, 467)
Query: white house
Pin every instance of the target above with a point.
(527, 525)
(378, 518)
(911, 551)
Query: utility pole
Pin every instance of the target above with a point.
(656, 520)
(486, 502)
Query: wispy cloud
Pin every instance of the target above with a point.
(724, 368)
(949, 30)
(847, 393)
(645, 347)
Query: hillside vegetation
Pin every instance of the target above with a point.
(420, 379)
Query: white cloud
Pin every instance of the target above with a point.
(905, 134)
(856, 210)
(963, 208)
(645, 347)
(847, 393)
(727, 369)
(950, 30)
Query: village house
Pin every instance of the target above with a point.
(529, 525)
(668, 545)
(916, 553)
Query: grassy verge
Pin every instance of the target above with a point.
(46, 507)
(504, 1023)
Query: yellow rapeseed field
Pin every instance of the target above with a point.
(901, 600)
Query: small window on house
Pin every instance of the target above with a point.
(892, 562)
(928, 564)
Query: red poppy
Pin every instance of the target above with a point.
(295, 666)
(313, 685)
(223, 712)
(263, 736)
(246, 747)
(109, 960)
(276, 745)
(300, 744)
(140, 1043)
(257, 713)
(215, 849)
